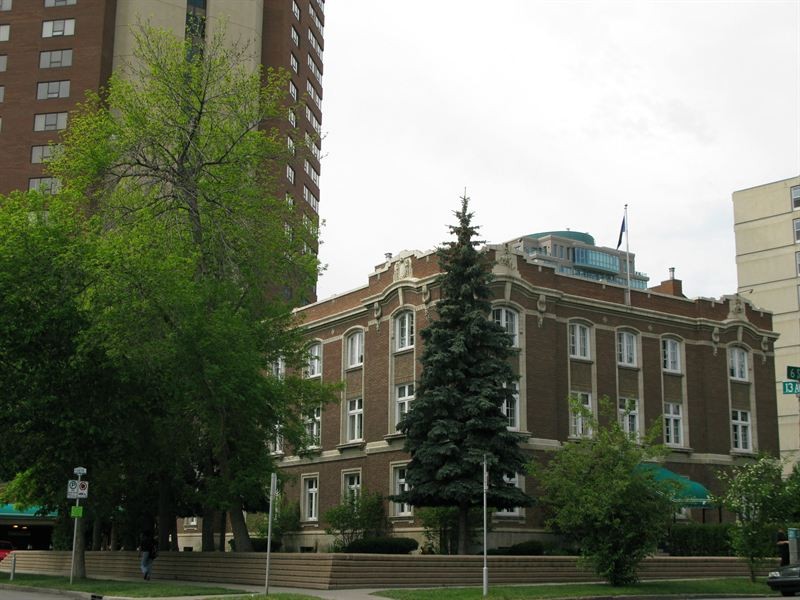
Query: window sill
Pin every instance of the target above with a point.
(737, 452)
(681, 449)
(402, 518)
(628, 367)
(674, 373)
(405, 350)
(581, 359)
(354, 367)
(394, 436)
(353, 444)
(737, 380)
(308, 524)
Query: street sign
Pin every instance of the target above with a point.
(791, 387)
(72, 489)
(76, 512)
(83, 489)
(82, 470)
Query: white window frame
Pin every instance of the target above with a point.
(310, 499)
(741, 429)
(290, 173)
(50, 121)
(294, 35)
(58, 28)
(578, 427)
(794, 195)
(351, 484)
(404, 330)
(355, 420)
(293, 90)
(508, 319)
(3, 62)
(515, 480)
(2, 93)
(628, 414)
(314, 427)
(52, 3)
(671, 355)
(400, 484)
(314, 368)
(295, 10)
(50, 90)
(5, 5)
(276, 443)
(627, 349)
(738, 364)
(278, 368)
(673, 424)
(292, 118)
(512, 412)
(311, 199)
(404, 395)
(44, 185)
(796, 223)
(580, 341)
(46, 58)
(5, 32)
(293, 63)
(354, 349)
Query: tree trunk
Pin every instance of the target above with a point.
(463, 529)
(97, 533)
(80, 547)
(173, 532)
(164, 514)
(207, 543)
(240, 534)
(113, 542)
(223, 527)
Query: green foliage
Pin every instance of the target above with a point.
(756, 495)
(358, 516)
(695, 539)
(456, 418)
(382, 545)
(594, 493)
(440, 528)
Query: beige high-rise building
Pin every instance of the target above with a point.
(767, 230)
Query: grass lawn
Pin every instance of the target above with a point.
(578, 590)
(135, 589)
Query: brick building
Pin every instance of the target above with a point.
(53, 51)
(703, 368)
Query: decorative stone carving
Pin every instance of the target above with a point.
(541, 308)
(764, 349)
(402, 269)
(426, 298)
(736, 308)
(715, 339)
(377, 312)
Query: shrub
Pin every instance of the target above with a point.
(382, 545)
(358, 516)
(527, 548)
(694, 539)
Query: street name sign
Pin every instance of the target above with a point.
(791, 387)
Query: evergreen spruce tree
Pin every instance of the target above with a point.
(456, 418)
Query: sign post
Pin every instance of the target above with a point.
(273, 484)
(76, 489)
(485, 566)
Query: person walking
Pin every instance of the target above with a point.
(147, 553)
(783, 547)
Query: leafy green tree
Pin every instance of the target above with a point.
(198, 266)
(756, 494)
(594, 492)
(456, 418)
(358, 516)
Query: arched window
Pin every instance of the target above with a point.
(314, 368)
(738, 364)
(404, 330)
(355, 349)
(671, 355)
(627, 349)
(579, 338)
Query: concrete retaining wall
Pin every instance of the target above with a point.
(342, 571)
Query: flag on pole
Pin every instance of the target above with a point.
(621, 231)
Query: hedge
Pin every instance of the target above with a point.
(382, 545)
(528, 548)
(694, 539)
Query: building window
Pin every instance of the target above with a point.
(55, 58)
(45, 185)
(5, 33)
(52, 3)
(48, 90)
(510, 512)
(673, 424)
(278, 368)
(58, 28)
(671, 355)
(311, 117)
(312, 40)
(295, 10)
(314, 427)
(628, 411)
(293, 63)
(626, 349)
(351, 485)
(737, 363)
(579, 341)
(355, 349)
(3, 62)
(310, 498)
(5, 5)
(50, 121)
(795, 194)
(41, 154)
(311, 199)
(293, 90)
(290, 173)
(314, 368)
(2, 93)
(510, 408)
(507, 319)
(295, 36)
(292, 118)
(312, 66)
(400, 484)
(290, 144)
(355, 420)
(315, 18)
(190, 522)
(579, 426)
(404, 395)
(740, 429)
(796, 230)
(275, 445)
(404, 330)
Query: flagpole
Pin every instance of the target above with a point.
(627, 257)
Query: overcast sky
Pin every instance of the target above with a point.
(554, 115)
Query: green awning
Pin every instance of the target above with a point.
(686, 492)
(9, 511)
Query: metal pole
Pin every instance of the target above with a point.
(485, 567)
(273, 483)
(627, 258)
(74, 536)
(13, 566)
